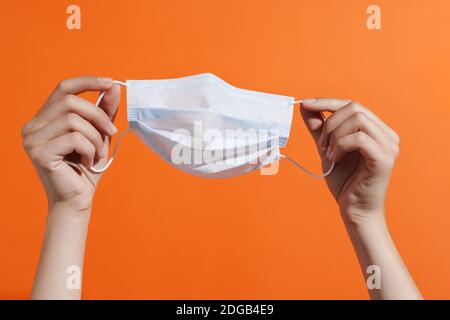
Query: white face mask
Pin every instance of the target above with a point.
(206, 127)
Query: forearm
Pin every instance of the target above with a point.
(60, 266)
(374, 247)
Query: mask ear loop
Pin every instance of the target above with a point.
(316, 176)
(121, 135)
(309, 173)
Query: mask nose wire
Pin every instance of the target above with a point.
(316, 176)
(121, 135)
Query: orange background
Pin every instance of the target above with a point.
(159, 233)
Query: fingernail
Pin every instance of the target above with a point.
(105, 80)
(113, 128)
(309, 101)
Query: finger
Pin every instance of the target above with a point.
(361, 122)
(74, 142)
(313, 121)
(109, 104)
(344, 111)
(82, 84)
(358, 141)
(77, 105)
(49, 154)
(110, 101)
(324, 104)
(69, 123)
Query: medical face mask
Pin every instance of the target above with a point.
(206, 127)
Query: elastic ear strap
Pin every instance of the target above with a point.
(123, 133)
(316, 176)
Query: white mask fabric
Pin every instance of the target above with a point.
(204, 126)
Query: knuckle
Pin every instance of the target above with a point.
(354, 106)
(63, 85)
(360, 116)
(71, 120)
(340, 143)
(24, 129)
(396, 138)
(361, 137)
(76, 138)
(26, 143)
(68, 101)
(396, 151)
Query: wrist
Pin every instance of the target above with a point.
(364, 220)
(67, 214)
(370, 232)
(82, 207)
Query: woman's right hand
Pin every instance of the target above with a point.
(364, 148)
(67, 136)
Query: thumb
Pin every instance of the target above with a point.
(110, 101)
(110, 104)
(314, 122)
